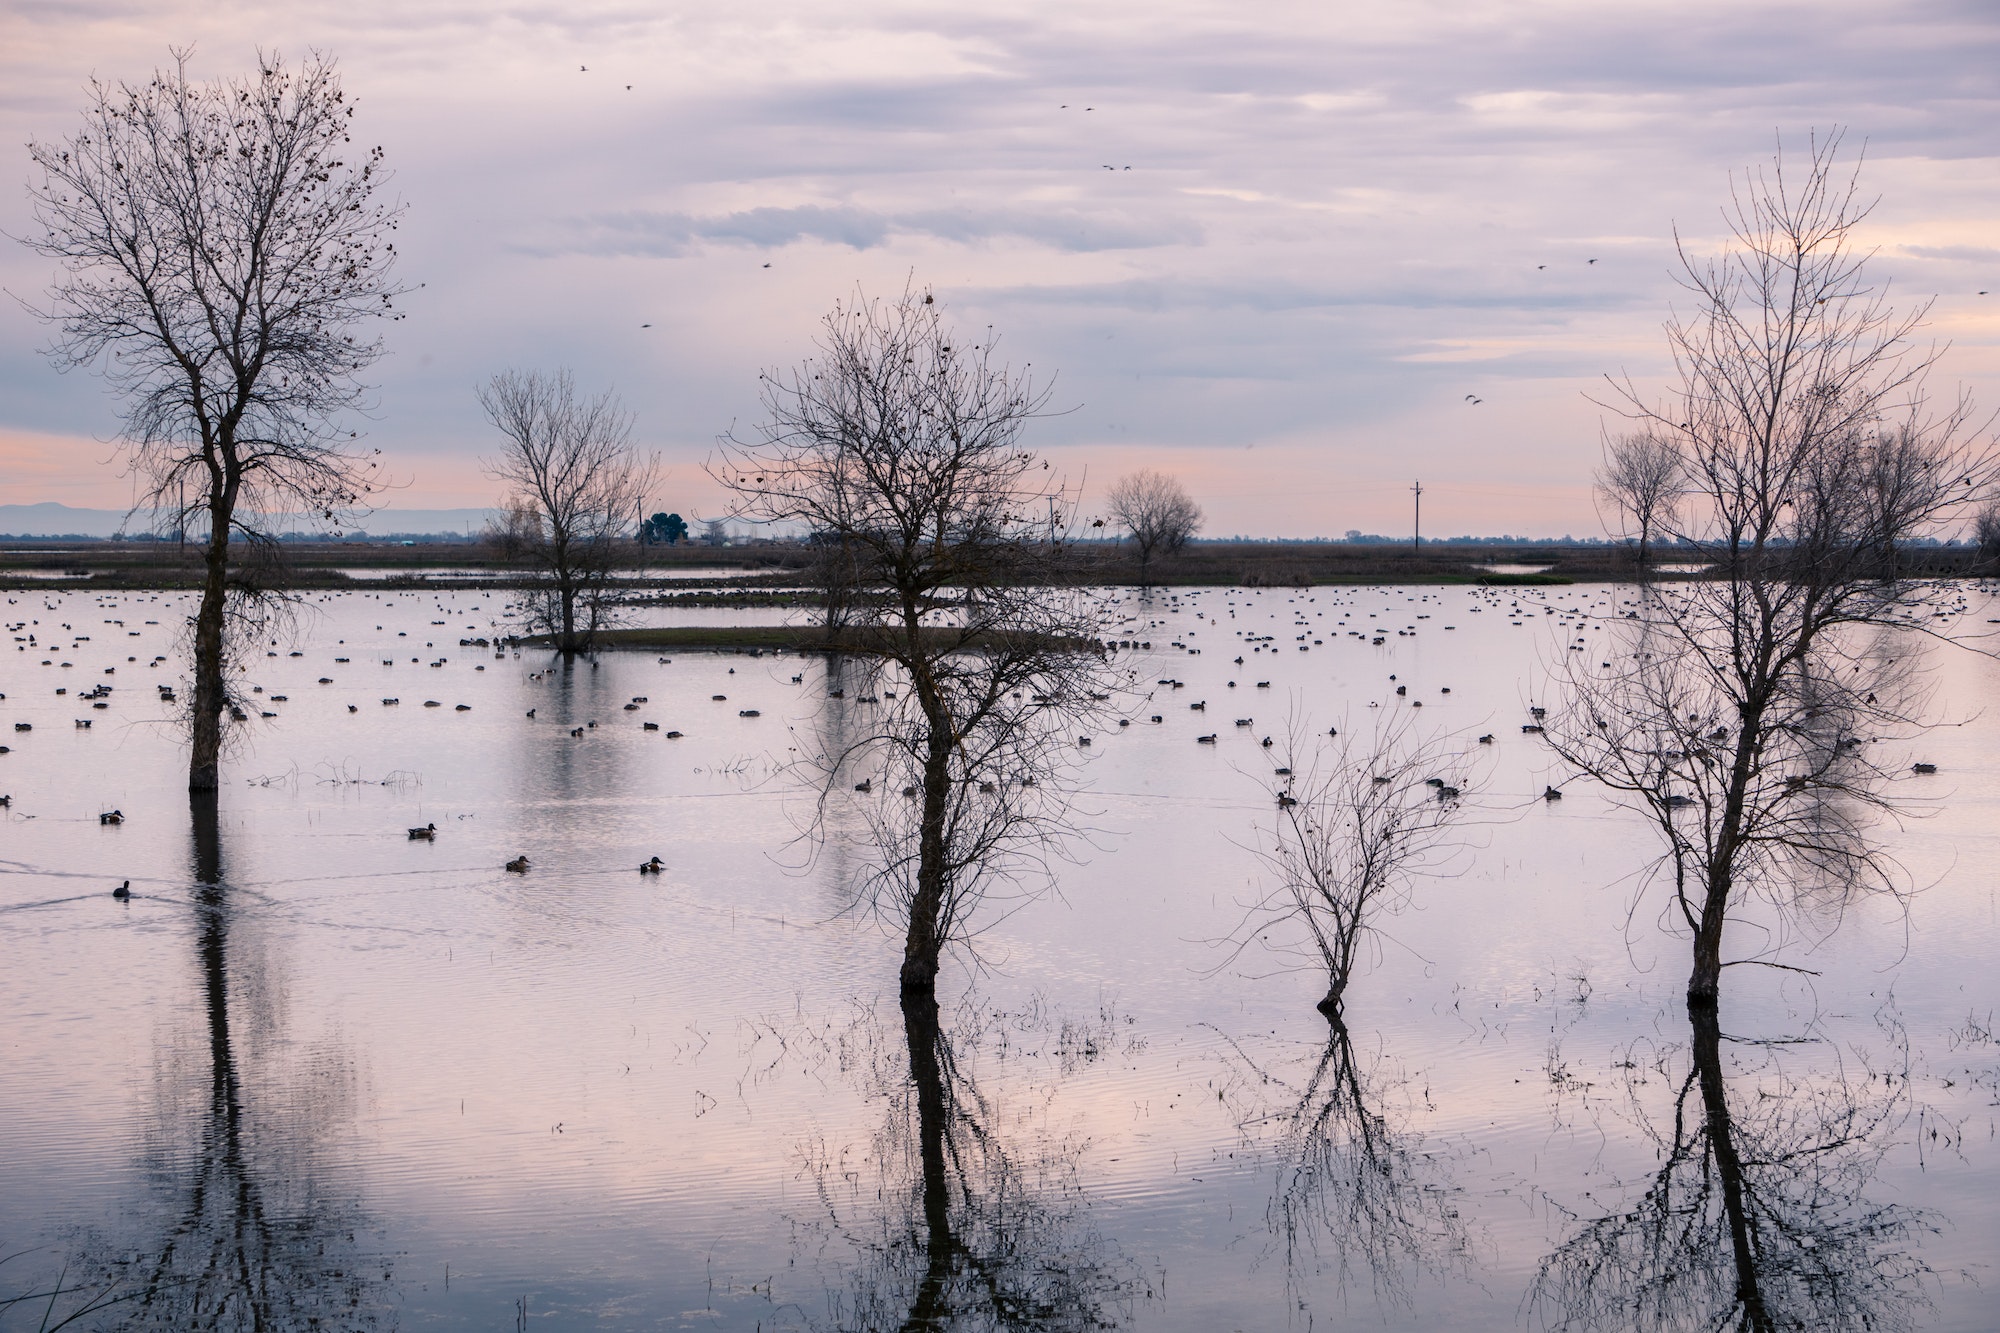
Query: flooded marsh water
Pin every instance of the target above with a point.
(314, 1073)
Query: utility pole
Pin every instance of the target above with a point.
(1417, 523)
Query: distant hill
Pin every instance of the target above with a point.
(59, 520)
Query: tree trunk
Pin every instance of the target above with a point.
(926, 935)
(568, 638)
(1705, 983)
(1743, 1239)
(213, 935)
(920, 1025)
(205, 819)
(211, 689)
(1719, 877)
(1340, 965)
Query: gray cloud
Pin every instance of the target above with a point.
(1338, 221)
(1981, 254)
(671, 234)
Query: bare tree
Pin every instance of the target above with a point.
(1986, 532)
(1640, 480)
(1157, 510)
(1357, 819)
(835, 572)
(1900, 477)
(572, 469)
(1739, 714)
(516, 530)
(898, 444)
(219, 249)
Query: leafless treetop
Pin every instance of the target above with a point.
(1641, 481)
(1800, 388)
(577, 485)
(902, 437)
(220, 242)
(1156, 509)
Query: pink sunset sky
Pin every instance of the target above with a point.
(1338, 221)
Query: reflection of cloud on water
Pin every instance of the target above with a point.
(1757, 1217)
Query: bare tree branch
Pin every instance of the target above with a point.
(897, 449)
(577, 487)
(1739, 711)
(1359, 817)
(1157, 510)
(219, 248)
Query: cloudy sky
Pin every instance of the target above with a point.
(1322, 226)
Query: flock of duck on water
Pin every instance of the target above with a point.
(1345, 612)
(520, 864)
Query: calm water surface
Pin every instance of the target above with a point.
(315, 1074)
(377, 573)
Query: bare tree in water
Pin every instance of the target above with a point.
(1740, 712)
(1641, 480)
(1986, 534)
(1157, 510)
(222, 243)
(1359, 817)
(898, 447)
(576, 489)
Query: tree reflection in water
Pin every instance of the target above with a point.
(251, 1238)
(1356, 1186)
(973, 1233)
(1757, 1218)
